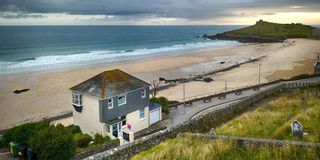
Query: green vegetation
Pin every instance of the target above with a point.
(273, 120)
(99, 139)
(163, 101)
(54, 143)
(82, 140)
(185, 147)
(268, 29)
(23, 132)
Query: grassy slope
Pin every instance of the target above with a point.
(191, 148)
(274, 119)
(268, 29)
(269, 121)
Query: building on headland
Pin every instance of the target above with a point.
(317, 66)
(113, 103)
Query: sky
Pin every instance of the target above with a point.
(157, 12)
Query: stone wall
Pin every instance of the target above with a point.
(199, 124)
(245, 141)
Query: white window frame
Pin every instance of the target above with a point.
(125, 99)
(78, 98)
(144, 93)
(140, 114)
(110, 104)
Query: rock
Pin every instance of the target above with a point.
(244, 38)
(208, 79)
(18, 91)
(297, 129)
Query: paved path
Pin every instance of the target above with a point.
(182, 114)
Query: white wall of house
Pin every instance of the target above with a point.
(88, 119)
(136, 123)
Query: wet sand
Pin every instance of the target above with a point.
(49, 90)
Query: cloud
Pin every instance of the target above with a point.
(19, 15)
(192, 10)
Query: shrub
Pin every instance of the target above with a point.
(99, 139)
(74, 129)
(82, 140)
(23, 132)
(54, 143)
(164, 102)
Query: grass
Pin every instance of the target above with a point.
(272, 120)
(268, 29)
(189, 148)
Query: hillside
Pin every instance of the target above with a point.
(264, 31)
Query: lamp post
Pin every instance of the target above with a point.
(184, 96)
(225, 86)
(259, 73)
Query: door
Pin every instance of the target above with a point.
(154, 116)
(116, 129)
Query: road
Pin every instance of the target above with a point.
(181, 114)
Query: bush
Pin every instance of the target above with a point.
(164, 102)
(99, 139)
(82, 140)
(54, 143)
(23, 132)
(74, 129)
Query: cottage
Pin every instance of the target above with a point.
(113, 103)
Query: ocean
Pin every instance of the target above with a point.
(28, 48)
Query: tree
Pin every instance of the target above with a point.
(54, 143)
(154, 88)
(22, 133)
(163, 101)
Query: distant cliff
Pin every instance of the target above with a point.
(266, 32)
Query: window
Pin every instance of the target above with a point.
(143, 93)
(122, 100)
(110, 103)
(141, 113)
(124, 122)
(76, 99)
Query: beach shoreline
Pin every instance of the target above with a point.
(49, 90)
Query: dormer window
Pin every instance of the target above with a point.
(143, 93)
(77, 99)
(110, 103)
(122, 100)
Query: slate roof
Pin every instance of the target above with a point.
(109, 83)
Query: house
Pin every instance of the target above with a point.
(113, 103)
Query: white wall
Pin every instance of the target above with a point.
(88, 119)
(134, 119)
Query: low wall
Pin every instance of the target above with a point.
(91, 151)
(201, 124)
(245, 141)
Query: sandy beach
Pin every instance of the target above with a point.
(49, 90)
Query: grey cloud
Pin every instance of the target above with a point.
(189, 9)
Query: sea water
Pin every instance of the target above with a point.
(27, 48)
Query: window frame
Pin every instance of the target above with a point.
(76, 97)
(108, 103)
(124, 101)
(140, 114)
(144, 93)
